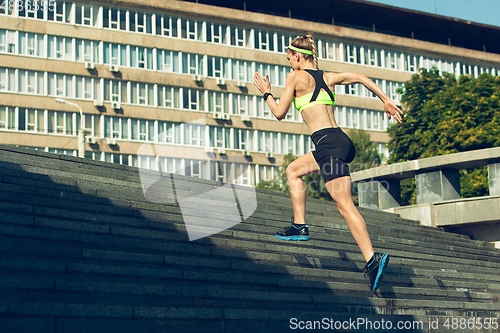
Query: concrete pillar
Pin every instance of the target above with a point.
(494, 177)
(379, 194)
(438, 185)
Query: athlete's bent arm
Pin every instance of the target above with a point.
(279, 110)
(390, 107)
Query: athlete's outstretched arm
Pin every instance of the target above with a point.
(390, 107)
(279, 110)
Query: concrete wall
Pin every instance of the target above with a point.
(476, 217)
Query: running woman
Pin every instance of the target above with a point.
(311, 90)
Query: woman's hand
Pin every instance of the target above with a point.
(263, 86)
(392, 110)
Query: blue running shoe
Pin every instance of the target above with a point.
(375, 268)
(294, 232)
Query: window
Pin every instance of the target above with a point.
(61, 122)
(392, 88)
(308, 144)
(240, 37)
(191, 29)
(241, 70)
(266, 69)
(8, 79)
(60, 11)
(243, 139)
(264, 40)
(60, 48)
(219, 137)
(375, 120)
(140, 22)
(114, 127)
(115, 91)
(283, 40)
(218, 67)
(268, 141)
(262, 109)
(8, 41)
(411, 63)
(86, 14)
(194, 134)
(168, 61)
(221, 171)
(217, 33)
(115, 54)
(392, 60)
(352, 54)
(193, 99)
(141, 57)
(84, 87)
(142, 93)
(194, 168)
(244, 174)
(266, 172)
(168, 97)
(218, 102)
(169, 132)
(92, 123)
(243, 104)
(354, 89)
(326, 50)
(292, 114)
(290, 143)
(5, 8)
(32, 9)
(354, 118)
(467, 69)
(87, 50)
(372, 57)
(282, 72)
(31, 120)
(7, 118)
(142, 130)
(57, 85)
(448, 66)
(31, 44)
(192, 63)
(114, 18)
(166, 26)
(31, 82)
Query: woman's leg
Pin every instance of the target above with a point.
(340, 191)
(302, 166)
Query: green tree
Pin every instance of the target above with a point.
(366, 157)
(444, 115)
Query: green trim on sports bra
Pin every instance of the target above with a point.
(303, 102)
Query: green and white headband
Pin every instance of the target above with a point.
(293, 48)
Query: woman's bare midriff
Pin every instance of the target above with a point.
(318, 117)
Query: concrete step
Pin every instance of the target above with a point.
(83, 199)
(80, 245)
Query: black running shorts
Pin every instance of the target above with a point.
(334, 151)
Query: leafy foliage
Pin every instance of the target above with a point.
(444, 115)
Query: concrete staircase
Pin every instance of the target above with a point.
(82, 250)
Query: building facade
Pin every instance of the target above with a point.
(178, 75)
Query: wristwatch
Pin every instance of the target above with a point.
(266, 95)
